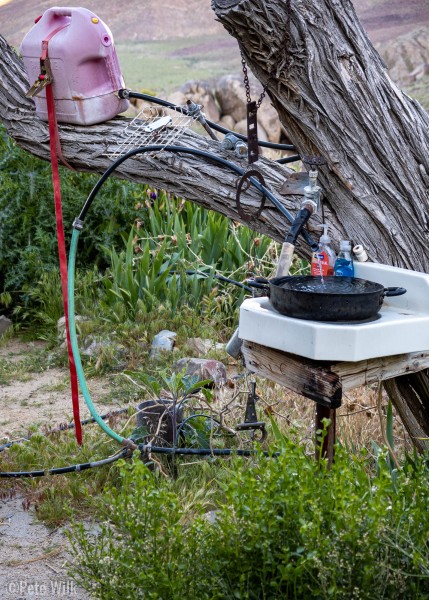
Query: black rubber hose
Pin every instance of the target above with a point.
(213, 125)
(66, 427)
(288, 159)
(144, 449)
(177, 149)
(147, 449)
(218, 277)
(64, 470)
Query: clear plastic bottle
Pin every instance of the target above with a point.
(323, 260)
(344, 263)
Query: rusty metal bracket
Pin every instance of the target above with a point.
(313, 161)
(252, 132)
(251, 422)
(295, 184)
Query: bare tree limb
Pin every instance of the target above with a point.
(85, 148)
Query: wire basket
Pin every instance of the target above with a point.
(154, 125)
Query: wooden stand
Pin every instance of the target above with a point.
(325, 381)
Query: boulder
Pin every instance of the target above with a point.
(405, 53)
(269, 119)
(200, 346)
(231, 96)
(177, 98)
(204, 369)
(162, 342)
(5, 324)
(227, 121)
(241, 127)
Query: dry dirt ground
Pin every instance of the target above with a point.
(33, 558)
(42, 397)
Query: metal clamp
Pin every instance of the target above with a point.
(44, 79)
(251, 422)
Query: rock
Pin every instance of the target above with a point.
(269, 119)
(227, 121)
(200, 347)
(177, 98)
(61, 325)
(94, 347)
(204, 369)
(241, 127)
(162, 342)
(231, 96)
(419, 72)
(211, 516)
(5, 324)
(405, 53)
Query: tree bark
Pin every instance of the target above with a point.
(335, 99)
(85, 148)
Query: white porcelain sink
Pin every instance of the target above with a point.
(402, 325)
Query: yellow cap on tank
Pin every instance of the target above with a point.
(94, 20)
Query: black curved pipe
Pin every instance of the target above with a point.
(177, 149)
(215, 126)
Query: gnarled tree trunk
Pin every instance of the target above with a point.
(335, 99)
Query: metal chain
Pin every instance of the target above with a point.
(287, 40)
(247, 84)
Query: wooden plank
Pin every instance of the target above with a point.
(307, 377)
(354, 374)
(324, 381)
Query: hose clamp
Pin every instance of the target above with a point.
(78, 224)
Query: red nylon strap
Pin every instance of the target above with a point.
(54, 144)
(44, 56)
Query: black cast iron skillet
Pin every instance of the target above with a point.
(334, 299)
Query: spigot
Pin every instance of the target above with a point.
(232, 142)
(194, 110)
(312, 192)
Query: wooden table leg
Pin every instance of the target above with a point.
(323, 412)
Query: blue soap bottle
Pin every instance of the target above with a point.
(344, 263)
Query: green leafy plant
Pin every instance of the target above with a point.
(284, 528)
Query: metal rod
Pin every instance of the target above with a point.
(328, 444)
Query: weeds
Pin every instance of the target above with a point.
(284, 528)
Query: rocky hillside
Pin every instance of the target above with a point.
(153, 20)
(398, 29)
(130, 21)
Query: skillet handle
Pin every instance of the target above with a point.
(260, 283)
(394, 291)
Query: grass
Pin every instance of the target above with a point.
(420, 91)
(164, 66)
(21, 370)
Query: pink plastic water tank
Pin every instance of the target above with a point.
(84, 64)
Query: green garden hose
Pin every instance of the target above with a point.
(75, 347)
(78, 225)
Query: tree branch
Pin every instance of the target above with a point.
(85, 148)
(335, 98)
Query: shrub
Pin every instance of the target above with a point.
(285, 528)
(28, 246)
